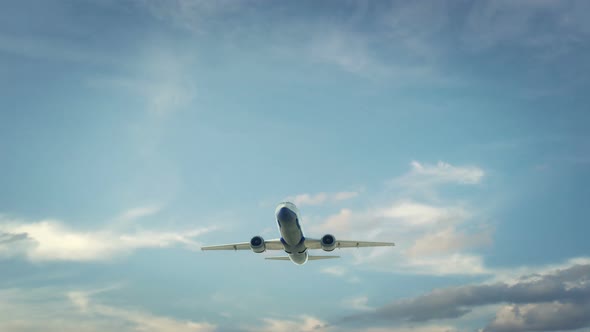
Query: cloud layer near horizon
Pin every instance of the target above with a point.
(547, 301)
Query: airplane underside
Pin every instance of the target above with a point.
(292, 240)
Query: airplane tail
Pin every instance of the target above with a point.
(309, 258)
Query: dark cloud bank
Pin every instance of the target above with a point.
(559, 300)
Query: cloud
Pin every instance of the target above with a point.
(441, 173)
(193, 15)
(303, 323)
(51, 240)
(345, 50)
(308, 323)
(412, 213)
(141, 321)
(443, 264)
(321, 198)
(358, 303)
(139, 212)
(431, 238)
(337, 271)
(449, 240)
(550, 316)
(160, 78)
(6, 238)
(55, 309)
(341, 272)
(556, 300)
(339, 223)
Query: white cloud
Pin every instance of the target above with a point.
(303, 323)
(321, 198)
(341, 272)
(337, 271)
(141, 321)
(446, 264)
(53, 310)
(358, 303)
(441, 173)
(307, 323)
(419, 214)
(139, 212)
(449, 240)
(420, 328)
(51, 240)
(338, 223)
(429, 239)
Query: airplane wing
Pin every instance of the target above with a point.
(316, 244)
(310, 258)
(270, 245)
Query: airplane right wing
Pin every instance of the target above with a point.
(269, 244)
(310, 258)
(316, 244)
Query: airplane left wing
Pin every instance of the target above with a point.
(270, 245)
(316, 244)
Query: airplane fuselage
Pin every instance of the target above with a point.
(287, 216)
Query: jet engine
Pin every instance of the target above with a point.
(257, 244)
(328, 242)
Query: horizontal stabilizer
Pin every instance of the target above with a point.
(314, 258)
(309, 258)
(279, 258)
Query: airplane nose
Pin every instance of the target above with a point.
(286, 215)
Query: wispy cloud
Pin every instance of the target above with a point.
(195, 16)
(341, 272)
(308, 323)
(54, 309)
(347, 51)
(141, 321)
(357, 303)
(160, 78)
(412, 213)
(138, 212)
(52, 240)
(441, 173)
(303, 323)
(321, 198)
(449, 240)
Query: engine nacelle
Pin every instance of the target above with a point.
(328, 242)
(257, 244)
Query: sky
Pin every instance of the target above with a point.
(134, 132)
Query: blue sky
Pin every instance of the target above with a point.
(133, 132)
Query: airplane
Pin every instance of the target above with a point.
(292, 240)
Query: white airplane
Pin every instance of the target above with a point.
(292, 240)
